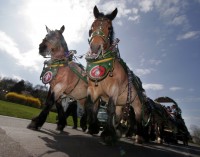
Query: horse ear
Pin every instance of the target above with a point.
(96, 12)
(62, 29)
(48, 30)
(112, 15)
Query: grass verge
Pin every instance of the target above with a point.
(26, 112)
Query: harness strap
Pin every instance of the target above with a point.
(149, 118)
(99, 33)
(78, 73)
(102, 61)
(74, 86)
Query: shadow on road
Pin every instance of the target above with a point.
(90, 146)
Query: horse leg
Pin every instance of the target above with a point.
(61, 117)
(109, 135)
(139, 133)
(159, 134)
(92, 117)
(161, 131)
(132, 121)
(127, 129)
(83, 121)
(38, 121)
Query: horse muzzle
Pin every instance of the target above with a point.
(95, 51)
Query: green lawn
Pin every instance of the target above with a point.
(26, 112)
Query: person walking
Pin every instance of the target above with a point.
(72, 109)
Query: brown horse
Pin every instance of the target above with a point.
(64, 76)
(110, 79)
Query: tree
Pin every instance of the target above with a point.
(25, 87)
(40, 92)
(28, 86)
(7, 83)
(18, 87)
(195, 134)
(5, 86)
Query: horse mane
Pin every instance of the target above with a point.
(63, 43)
(135, 79)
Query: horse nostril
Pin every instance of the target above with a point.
(42, 47)
(95, 48)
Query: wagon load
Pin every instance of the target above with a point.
(175, 128)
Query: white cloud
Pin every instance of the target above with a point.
(191, 89)
(109, 6)
(164, 54)
(198, 1)
(142, 61)
(160, 40)
(141, 72)
(189, 35)
(16, 77)
(153, 86)
(28, 59)
(188, 99)
(175, 88)
(146, 5)
(134, 18)
(171, 12)
(8, 45)
(119, 22)
(76, 15)
(124, 10)
(135, 11)
(155, 62)
(179, 20)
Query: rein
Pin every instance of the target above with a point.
(126, 109)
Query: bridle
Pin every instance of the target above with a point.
(99, 31)
(56, 45)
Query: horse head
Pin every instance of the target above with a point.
(54, 44)
(101, 32)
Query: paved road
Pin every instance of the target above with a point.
(18, 141)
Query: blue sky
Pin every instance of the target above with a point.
(159, 40)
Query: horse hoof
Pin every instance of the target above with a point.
(60, 128)
(84, 129)
(92, 132)
(33, 126)
(159, 141)
(109, 140)
(138, 140)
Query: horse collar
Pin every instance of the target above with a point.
(50, 70)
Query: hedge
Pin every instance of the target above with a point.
(23, 99)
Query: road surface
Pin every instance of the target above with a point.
(18, 141)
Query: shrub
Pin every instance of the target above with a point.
(23, 99)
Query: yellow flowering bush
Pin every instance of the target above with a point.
(23, 99)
